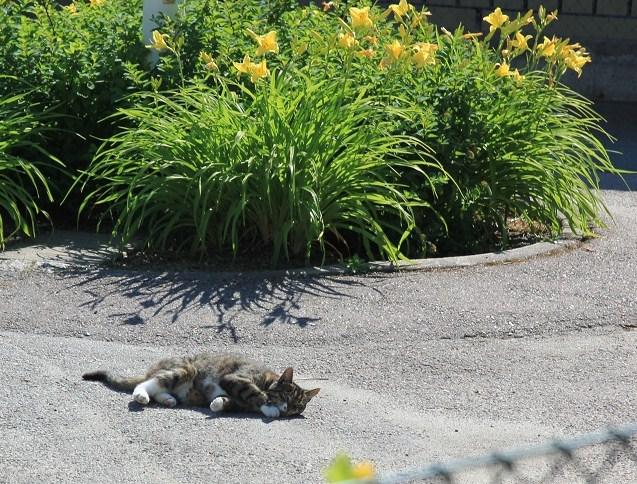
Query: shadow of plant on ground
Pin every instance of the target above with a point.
(276, 298)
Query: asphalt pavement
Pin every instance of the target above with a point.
(414, 367)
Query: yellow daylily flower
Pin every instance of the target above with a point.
(97, 3)
(399, 9)
(424, 54)
(243, 67)
(267, 43)
(159, 41)
(208, 60)
(547, 48)
(502, 70)
(575, 57)
(360, 18)
(395, 50)
(552, 16)
(517, 77)
(347, 40)
(567, 48)
(363, 470)
(576, 62)
(257, 71)
(496, 19)
(521, 42)
(71, 8)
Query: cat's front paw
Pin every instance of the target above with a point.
(270, 411)
(218, 404)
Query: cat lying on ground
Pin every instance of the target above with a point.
(223, 382)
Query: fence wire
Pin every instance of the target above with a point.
(590, 458)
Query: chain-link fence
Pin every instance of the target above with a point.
(605, 457)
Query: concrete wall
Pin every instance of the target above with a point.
(610, 35)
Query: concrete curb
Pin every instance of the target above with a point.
(81, 251)
(443, 263)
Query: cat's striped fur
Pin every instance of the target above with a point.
(223, 382)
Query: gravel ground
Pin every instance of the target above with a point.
(414, 367)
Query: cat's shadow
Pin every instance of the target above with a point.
(133, 406)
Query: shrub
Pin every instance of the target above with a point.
(292, 165)
(510, 139)
(23, 187)
(74, 58)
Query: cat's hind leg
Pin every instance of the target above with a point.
(219, 404)
(165, 398)
(146, 390)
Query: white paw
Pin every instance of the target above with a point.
(141, 397)
(170, 402)
(217, 404)
(270, 411)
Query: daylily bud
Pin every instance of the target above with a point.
(208, 60)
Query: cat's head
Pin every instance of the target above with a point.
(288, 396)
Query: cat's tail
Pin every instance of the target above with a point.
(126, 384)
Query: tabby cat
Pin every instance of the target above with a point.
(223, 382)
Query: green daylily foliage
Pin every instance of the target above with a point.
(23, 187)
(290, 166)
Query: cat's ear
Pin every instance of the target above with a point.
(311, 393)
(287, 375)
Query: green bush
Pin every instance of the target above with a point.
(221, 29)
(292, 166)
(513, 149)
(75, 60)
(23, 187)
(513, 141)
(509, 140)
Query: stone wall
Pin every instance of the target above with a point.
(605, 27)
